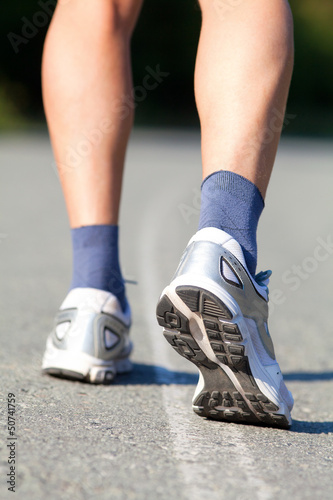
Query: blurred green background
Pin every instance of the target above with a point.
(167, 34)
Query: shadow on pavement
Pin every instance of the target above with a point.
(155, 375)
(143, 374)
(304, 427)
(307, 376)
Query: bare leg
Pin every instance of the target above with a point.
(243, 71)
(86, 79)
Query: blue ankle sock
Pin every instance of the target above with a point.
(234, 204)
(96, 260)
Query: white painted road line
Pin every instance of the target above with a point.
(187, 443)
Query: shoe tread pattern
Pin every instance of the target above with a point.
(219, 398)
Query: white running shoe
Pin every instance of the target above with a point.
(215, 315)
(90, 339)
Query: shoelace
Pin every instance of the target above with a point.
(130, 282)
(262, 278)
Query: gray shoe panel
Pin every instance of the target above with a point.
(205, 258)
(91, 340)
(101, 322)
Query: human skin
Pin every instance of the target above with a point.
(242, 78)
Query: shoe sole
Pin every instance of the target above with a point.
(202, 329)
(83, 367)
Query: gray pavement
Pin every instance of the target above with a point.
(139, 439)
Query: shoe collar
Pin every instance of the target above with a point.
(96, 301)
(260, 281)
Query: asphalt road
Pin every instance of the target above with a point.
(138, 438)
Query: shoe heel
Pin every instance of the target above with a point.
(177, 332)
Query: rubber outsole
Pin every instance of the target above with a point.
(93, 374)
(219, 398)
(104, 377)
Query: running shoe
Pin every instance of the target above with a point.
(90, 338)
(215, 315)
